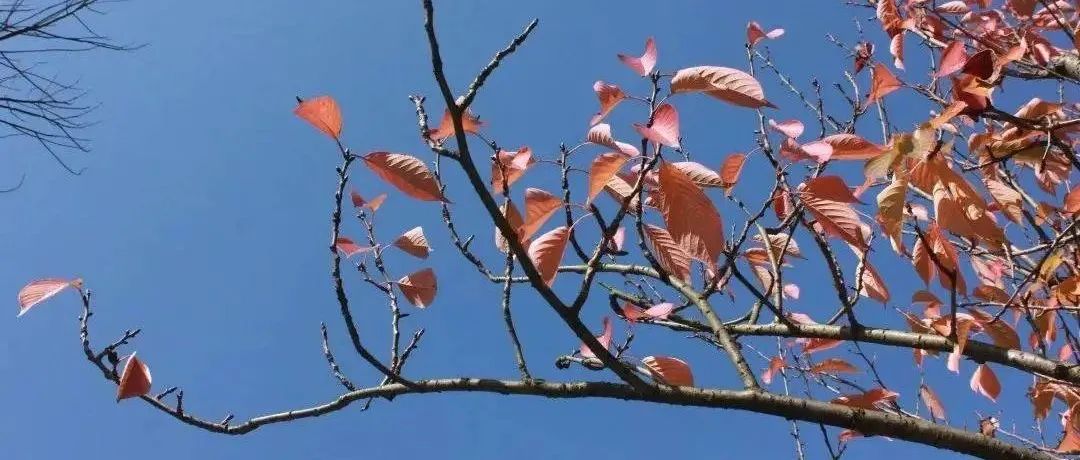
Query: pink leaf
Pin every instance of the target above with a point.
(755, 34)
(665, 127)
(789, 128)
(953, 58)
(642, 65)
(609, 96)
(604, 338)
(984, 382)
(791, 291)
(41, 290)
(601, 135)
(348, 247)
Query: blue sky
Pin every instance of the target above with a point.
(202, 218)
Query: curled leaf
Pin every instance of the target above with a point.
(642, 65)
(610, 96)
(669, 371)
(604, 338)
(729, 85)
(41, 290)
(664, 129)
(414, 243)
(134, 379)
(755, 34)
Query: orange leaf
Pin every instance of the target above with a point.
(414, 243)
(998, 329)
(513, 164)
(834, 366)
(984, 382)
(510, 212)
(134, 379)
(884, 82)
(890, 213)
(933, 403)
(609, 96)
(407, 173)
(852, 147)
(671, 257)
(1072, 201)
(699, 174)
(868, 400)
(729, 85)
(642, 65)
(664, 129)
(323, 113)
(469, 123)
(730, 171)
(603, 168)
(419, 287)
(539, 207)
(359, 201)
(830, 188)
(546, 252)
(669, 371)
(690, 216)
(41, 290)
(601, 135)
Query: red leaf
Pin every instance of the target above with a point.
(604, 338)
(642, 65)
(664, 129)
(634, 313)
(755, 34)
(884, 82)
(546, 252)
(41, 290)
(690, 216)
(669, 371)
(414, 243)
(953, 58)
(348, 247)
(609, 96)
(359, 201)
(604, 167)
(868, 400)
(419, 288)
(407, 173)
(1072, 200)
(830, 188)
(729, 85)
(323, 113)
(134, 379)
(775, 365)
(984, 382)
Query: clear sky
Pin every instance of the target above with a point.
(202, 218)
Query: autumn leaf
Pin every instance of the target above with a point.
(419, 287)
(41, 290)
(670, 255)
(610, 96)
(729, 85)
(348, 247)
(513, 217)
(604, 167)
(984, 382)
(755, 34)
(407, 173)
(952, 59)
(730, 171)
(699, 174)
(883, 83)
(601, 135)
(1009, 201)
(539, 207)
(664, 129)
(604, 338)
(834, 366)
(134, 379)
(323, 113)
(359, 202)
(642, 65)
(852, 147)
(669, 371)
(634, 313)
(1072, 200)
(830, 188)
(776, 364)
(469, 123)
(789, 128)
(690, 216)
(512, 164)
(546, 252)
(868, 400)
(414, 243)
(836, 218)
(890, 214)
(932, 402)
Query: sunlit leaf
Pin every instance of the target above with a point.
(407, 173)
